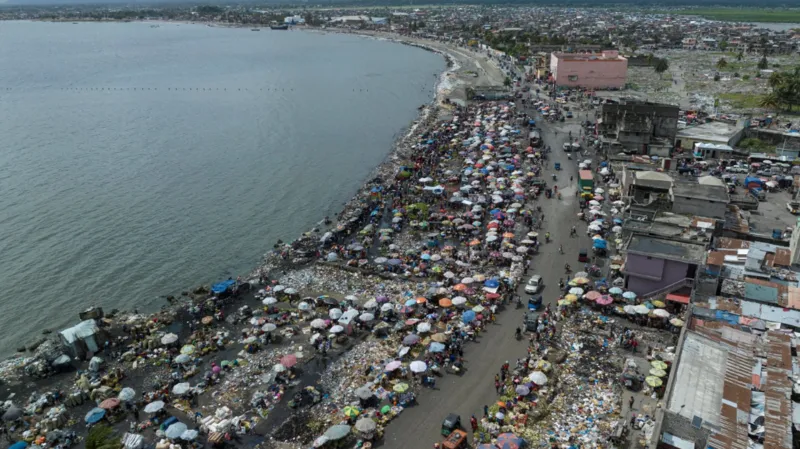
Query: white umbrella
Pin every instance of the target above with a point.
(269, 300)
(599, 190)
(278, 368)
(661, 313)
(371, 304)
(154, 407)
(522, 390)
(418, 366)
(169, 339)
(335, 313)
(189, 435)
(459, 300)
(630, 309)
(336, 329)
(290, 291)
(269, 327)
(387, 307)
(642, 309)
(423, 327)
(577, 291)
(181, 388)
(538, 377)
(318, 323)
(304, 306)
(366, 317)
(126, 394)
(467, 281)
(175, 431)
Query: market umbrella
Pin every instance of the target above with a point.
(189, 435)
(571, 298)
(423, 328)
(658, 303)
(592, 295)
(677, 322)
(459, 300)
(445, 302)
(441, 338)
(336, 329)
(268, 301)
(418, 366)
(175, 431)
(436, 347)
(538, 377)
(181, 358)
(605, 300)
(181, 388)
(126, 394)
(577, 291)
(629, 295)
(289, 360)
(657, 372)
(468, 316)
(337, 432)
(188, 350)
(509, 441)
(351, 412)
(658, 364)
(581, 280)
(411, 340)
(169, 339)
(615, 291)
(278, 368)
(661, 313)
(95, 415)
(401, 387)
(393, 365)
(653, 381)
(318, 323)
(366, 317)
(154, 406)
(363, 392)
(269, 327)
(109, 404)
(19, 445)
(522, 390)
(366, 425)
(641, 309)
(335, 313)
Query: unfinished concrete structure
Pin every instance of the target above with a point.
(639, 127)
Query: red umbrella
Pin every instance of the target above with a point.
(110, 403)
(289, 360)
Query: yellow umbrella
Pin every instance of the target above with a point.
(658, 364)
(657, 372)
(581, 281)
(351, 412)
(439, 338)
(653, 381)
(401, 387)
(658, 304)
(571, 298)
(563, 302)
(543, 365)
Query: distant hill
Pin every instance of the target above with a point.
(584, 3)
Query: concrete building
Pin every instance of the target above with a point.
(720, 133)
(595, 71)
(656, 265)
(705, 200)
(639, 127)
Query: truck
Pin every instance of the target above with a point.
(794, 207)
(585, 180)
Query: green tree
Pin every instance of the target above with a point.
(723, 45)
(507, 82)
(740, 56)
(770, 101)
(662, 65)
(103, 437)
(722, 63)
(763, 63)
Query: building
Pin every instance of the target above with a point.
(656, 265)
(705, 200)
(639, 127)
(719, 132)
(596, 71)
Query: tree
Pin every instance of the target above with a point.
(662, 65)
(507, 82)
(763, 63)
(723, 45)
(769, 101)
(722, 63)
(103, 437)
(740, 56)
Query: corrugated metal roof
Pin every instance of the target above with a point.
(79, 331)
(778, 410)
(760, 293)
(698, 383)
(731, 243)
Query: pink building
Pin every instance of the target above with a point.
(597, 71)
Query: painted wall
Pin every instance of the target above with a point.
(645, 275)
(597, 74)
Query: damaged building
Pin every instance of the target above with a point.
(637, 127)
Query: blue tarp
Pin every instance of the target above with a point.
(221, 287)
(468, 316)
(491, 283)
(18, 445)
(602, 244)
(95, 415)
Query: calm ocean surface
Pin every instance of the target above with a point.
(117, 197)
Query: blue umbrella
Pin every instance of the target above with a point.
(436, 347)
(629, 295)
(18, 445)
(425, 257)
(468, 316)
(394, 261)
(615, 291)
(411, 302)
(95, 415)
(491, 283)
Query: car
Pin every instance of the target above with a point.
(766, 172)
(793, 206)
(567, 146)
(531, 321)
(534, 285)
(569, 114)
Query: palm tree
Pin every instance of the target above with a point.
(770, 101)
(740, 56)
(722, 63)
(102, 437)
